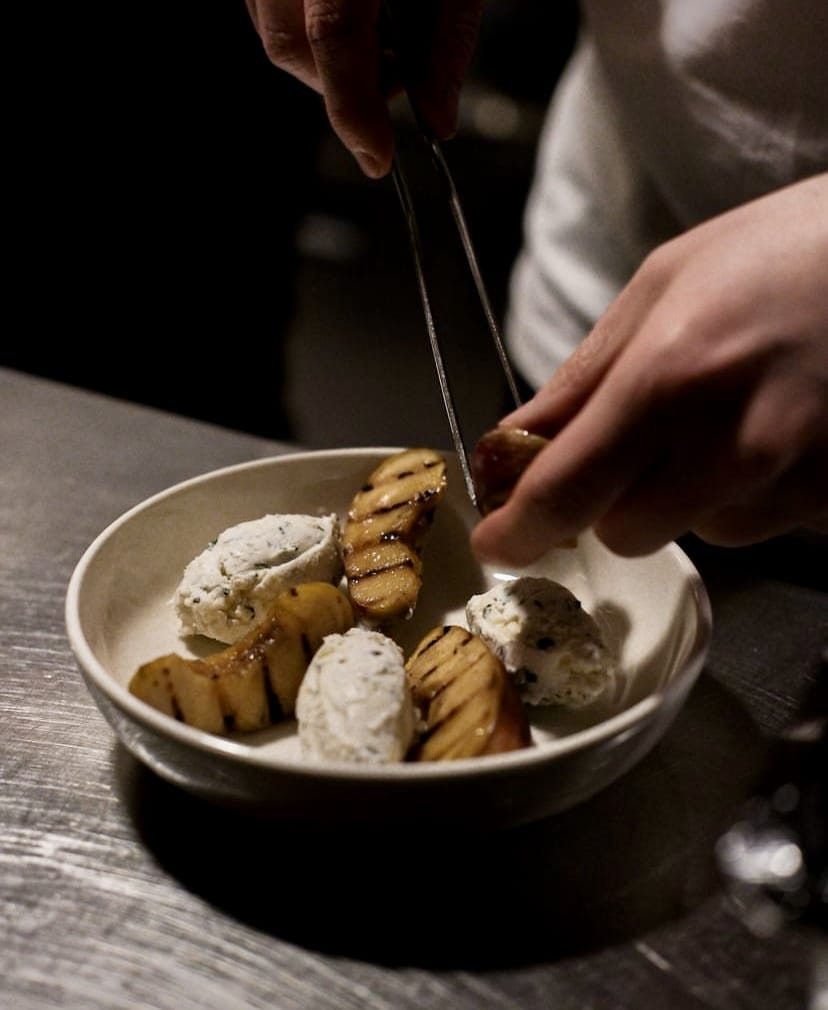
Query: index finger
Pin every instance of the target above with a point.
(343, 36)
(280, 25)
(577, 477)
(572, 384)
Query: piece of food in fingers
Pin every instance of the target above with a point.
(497, 461)
(467, 700)
(383, 533)
(253, 683)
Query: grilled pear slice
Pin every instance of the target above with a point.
(183, 688)
(253, 683)
(382, 536)
(467, 700)
(497, 461)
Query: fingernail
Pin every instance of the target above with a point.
(368, 163)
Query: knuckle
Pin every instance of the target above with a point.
(758, 459)
(282, 45)
(757, 450)
(675, 361)
(658, 270)
(770, 442)
(329, 24)
(658, 265)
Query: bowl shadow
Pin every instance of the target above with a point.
(636, 855)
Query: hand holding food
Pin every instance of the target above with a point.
(336, 49)
(699, 401)
(497, 462)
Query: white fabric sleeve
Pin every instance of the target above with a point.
(590, 219)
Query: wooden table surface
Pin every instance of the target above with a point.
(117, 890)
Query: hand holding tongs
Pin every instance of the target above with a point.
(397, 46)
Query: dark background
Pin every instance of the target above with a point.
(184, 230)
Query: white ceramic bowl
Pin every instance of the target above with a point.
(654, 612)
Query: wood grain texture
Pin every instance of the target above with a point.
(119, 892)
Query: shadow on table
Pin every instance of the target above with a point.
(638, 854)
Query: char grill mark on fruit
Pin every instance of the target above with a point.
(437, 678)
(467, 701)
(254, 682)
(404, 563)
(174, 703)
(275, 711)
(382, 539)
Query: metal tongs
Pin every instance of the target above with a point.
(450, 190)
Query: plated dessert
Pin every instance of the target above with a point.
(303, 611)
(469, 763)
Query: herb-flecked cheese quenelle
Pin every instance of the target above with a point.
(354, 703)
(546, 640)
(228, 588)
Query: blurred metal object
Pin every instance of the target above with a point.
(397, 46)
(774, 854)
(404, 194)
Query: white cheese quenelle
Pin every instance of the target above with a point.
(354, 702)
(546, 640)
(228, 588)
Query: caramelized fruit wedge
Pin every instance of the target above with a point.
(469, 704)
(383, 533)
(254, 682)
(497, 461)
